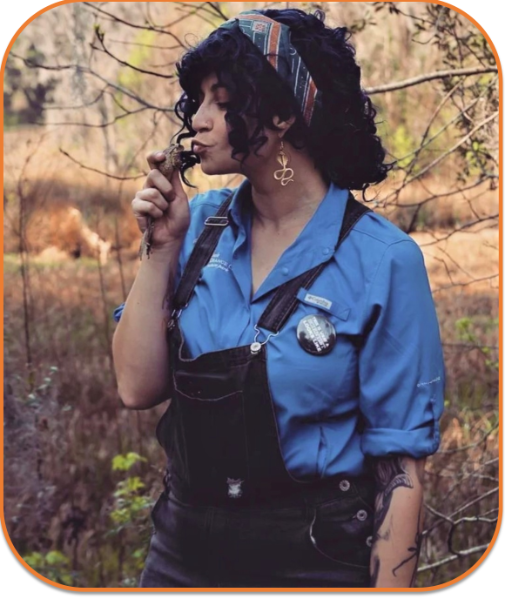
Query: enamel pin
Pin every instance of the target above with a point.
(316, 334)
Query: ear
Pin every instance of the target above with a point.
(284, 125)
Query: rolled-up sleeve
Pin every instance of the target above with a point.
(118, 311)
(401, 364)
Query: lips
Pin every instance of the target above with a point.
(199, 148)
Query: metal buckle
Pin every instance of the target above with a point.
(257, 345)
(216, 221)
(175, 314)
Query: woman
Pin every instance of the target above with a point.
(299, 344)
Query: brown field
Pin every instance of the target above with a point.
(65, 422)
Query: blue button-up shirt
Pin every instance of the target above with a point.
(387, 363)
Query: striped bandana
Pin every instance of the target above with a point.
(273, 40)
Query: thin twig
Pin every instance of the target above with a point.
(89, 168)
(428, 77)
(134, 25)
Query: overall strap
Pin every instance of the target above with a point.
(284, 301)
(201, 254)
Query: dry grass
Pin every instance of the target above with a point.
(64, 426)
(58, 450)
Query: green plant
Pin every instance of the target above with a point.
(466, 331)
(129, 516)
(53, 565)
(129, 504)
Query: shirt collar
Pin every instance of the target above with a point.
(324, 226)
(314, 245)
(240, 205)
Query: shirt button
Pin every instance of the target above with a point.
(362, 515)
(344, 485)
(326, 251)
(285, 271)
(369, 541)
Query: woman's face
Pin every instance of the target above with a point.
(212, 130)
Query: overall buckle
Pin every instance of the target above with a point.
(216, 221)
(173, 317)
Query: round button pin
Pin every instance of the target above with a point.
(316, 334)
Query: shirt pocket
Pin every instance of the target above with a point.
(337, 371)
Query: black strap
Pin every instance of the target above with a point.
(284, 301)
(201, 254)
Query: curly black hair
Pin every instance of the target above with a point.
(342, 136)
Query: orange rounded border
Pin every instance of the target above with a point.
(500, 325)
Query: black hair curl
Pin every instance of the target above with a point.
(342, 137)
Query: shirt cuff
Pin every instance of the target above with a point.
(419, 443)
(117, 312)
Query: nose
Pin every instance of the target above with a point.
(201, 120)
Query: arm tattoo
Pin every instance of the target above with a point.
(389, 474)
(414, 551)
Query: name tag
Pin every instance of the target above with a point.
(318, 301)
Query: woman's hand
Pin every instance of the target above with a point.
(165, 201)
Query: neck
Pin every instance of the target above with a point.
(278, 207)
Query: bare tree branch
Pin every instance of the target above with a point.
(89, 168)
(34, 65)
(80, 106)
(425, 143)
(133, 25)
(447, 560)
(428, 77)
(215, 6)
(100, 36)
(451, 150)
(90, 71)
(141, 45)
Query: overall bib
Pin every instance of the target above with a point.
(231, 514)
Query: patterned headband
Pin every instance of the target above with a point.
(273, 40)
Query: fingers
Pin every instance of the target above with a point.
(157, 180)
(177, 184)
(154, 158)
(170, 188)
(149, 202)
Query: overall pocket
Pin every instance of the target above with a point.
(214, 439)
(155, 510)
(341, 531)
(212, 387)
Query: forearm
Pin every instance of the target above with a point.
(139, 346)
(398, 521)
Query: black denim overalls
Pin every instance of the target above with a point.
(232, 515)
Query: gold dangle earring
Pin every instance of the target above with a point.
(284, 174)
